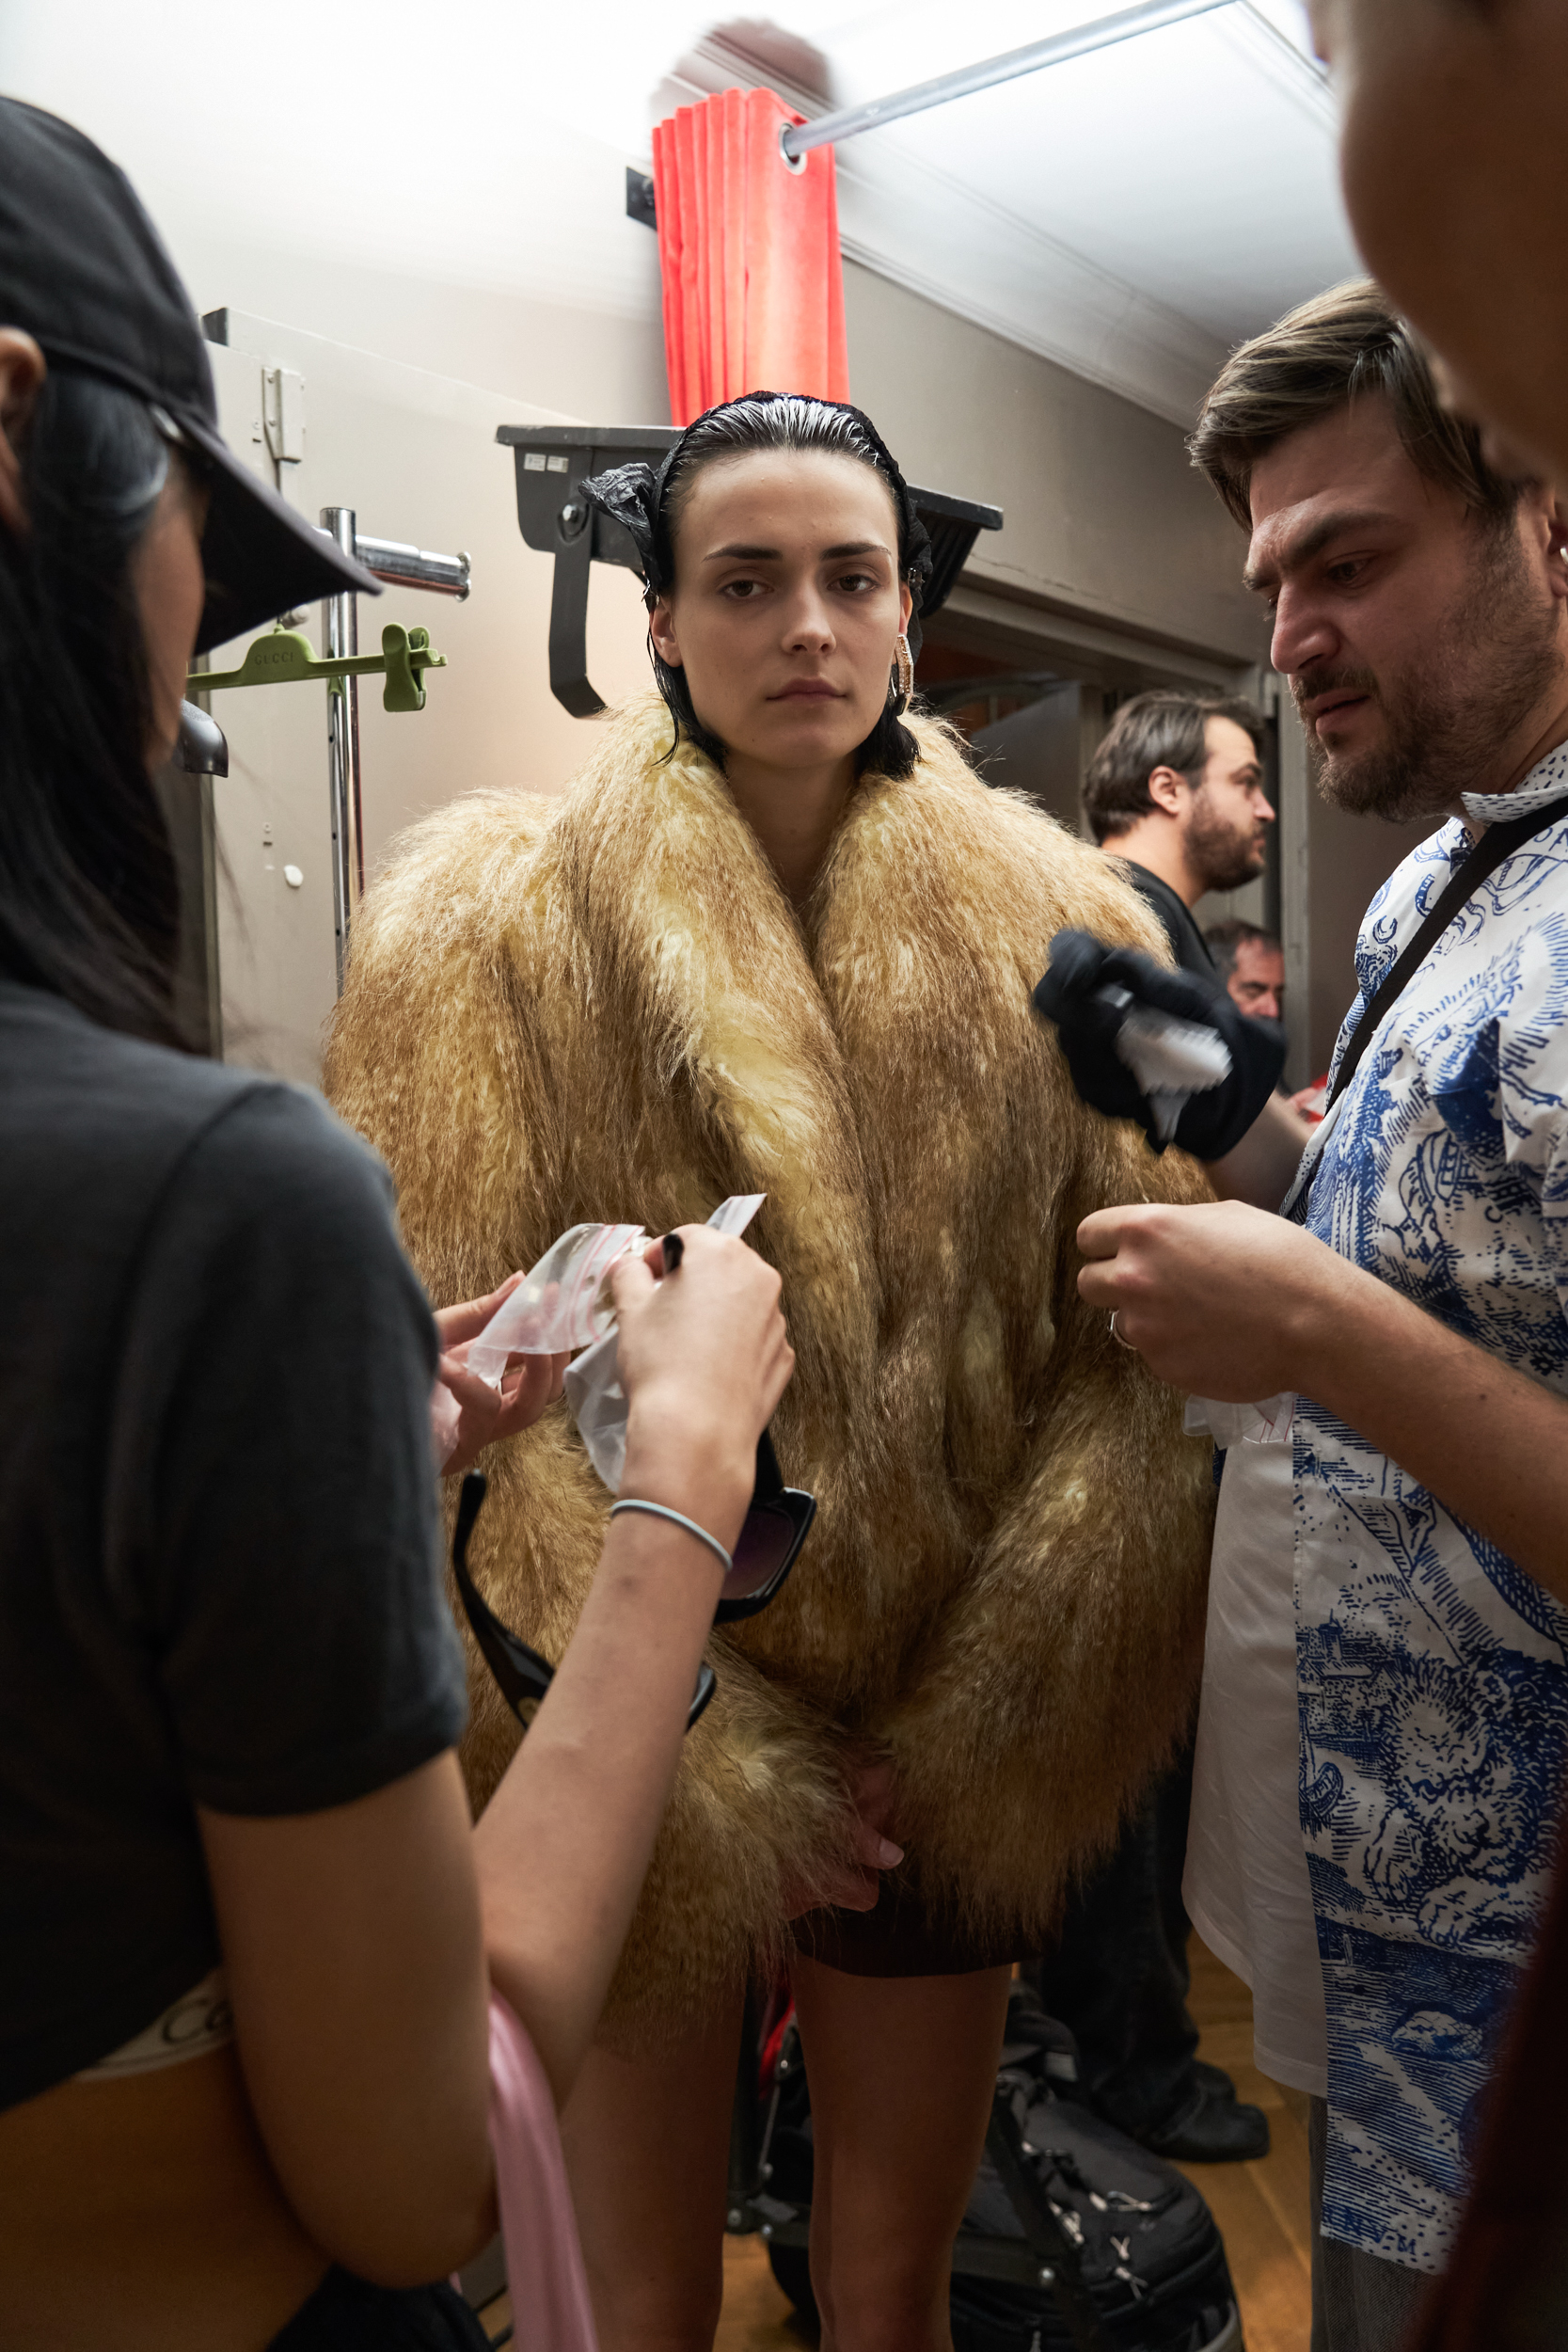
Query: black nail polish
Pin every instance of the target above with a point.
(674, 1251)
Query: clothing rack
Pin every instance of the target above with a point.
(404, 566)
(797, 140)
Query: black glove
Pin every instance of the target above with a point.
(1087, 1022)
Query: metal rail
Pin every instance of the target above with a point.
(797, 139)
(414, 567)
(341, 635)
(404, 566)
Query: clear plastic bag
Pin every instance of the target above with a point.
(564, 1303)
(560, 1305)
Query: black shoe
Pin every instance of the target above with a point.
(1210, 2127)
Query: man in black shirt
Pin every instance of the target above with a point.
(1176, 790)
(1176, 793)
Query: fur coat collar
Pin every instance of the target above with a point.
(605, 1007)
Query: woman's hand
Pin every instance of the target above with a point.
(1224, 1301)
(703, 1356)
(565, 1843)
(467, 1413)
(854, 1884)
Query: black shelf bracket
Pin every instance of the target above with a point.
(555, 521)
(640, 199)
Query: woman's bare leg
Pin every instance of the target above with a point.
(901, 2072)
(647, 2148)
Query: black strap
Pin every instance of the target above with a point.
(1043, 2234)
(1496, 843)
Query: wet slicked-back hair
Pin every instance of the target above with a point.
(649, 506)
(1345, 345)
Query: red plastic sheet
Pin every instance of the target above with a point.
(753, 284)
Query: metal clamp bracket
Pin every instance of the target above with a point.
(551, 459)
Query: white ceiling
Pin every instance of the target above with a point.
(1131, 214)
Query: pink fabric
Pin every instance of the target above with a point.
(753, 281)
(548, 2286)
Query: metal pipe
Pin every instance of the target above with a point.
(797, 139)
(415, 567)
(341, 635)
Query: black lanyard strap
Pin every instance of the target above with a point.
(1496, 843)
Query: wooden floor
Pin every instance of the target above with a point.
(1261, 2208)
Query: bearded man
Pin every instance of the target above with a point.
(1174, 795)
(1176, 792)
(1386, 1687)
(1449, 146)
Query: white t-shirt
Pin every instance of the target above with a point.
(1246, 1886)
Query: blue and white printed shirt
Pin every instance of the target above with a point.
(1432, 1672)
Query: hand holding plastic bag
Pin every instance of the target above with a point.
(467, 1413)
(564, 1303)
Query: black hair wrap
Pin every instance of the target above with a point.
(630, 495)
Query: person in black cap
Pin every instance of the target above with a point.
(229, 1685)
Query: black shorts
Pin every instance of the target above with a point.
(901, 1937)
(346, 2315)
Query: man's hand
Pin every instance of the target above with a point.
(465, 1409)
(1224, 1301)
(1232, 1303)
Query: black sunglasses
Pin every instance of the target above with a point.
(772, 1533)
(777, 1522)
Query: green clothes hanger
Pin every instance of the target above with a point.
(284, 656)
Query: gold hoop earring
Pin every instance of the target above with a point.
(903, 667)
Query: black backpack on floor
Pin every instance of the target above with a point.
(1076, 2239)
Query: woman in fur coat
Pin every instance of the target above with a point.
(778, 938)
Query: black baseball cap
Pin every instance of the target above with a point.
(85, 272)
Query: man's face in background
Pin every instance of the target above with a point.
(1256, 980)
(1228, 814)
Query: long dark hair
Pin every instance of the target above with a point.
(649, 506)
(89, 900)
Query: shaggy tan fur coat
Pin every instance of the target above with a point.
(603, 1007)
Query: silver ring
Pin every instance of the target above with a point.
(1117, 1335)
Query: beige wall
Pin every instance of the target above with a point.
(415, 454)
(1105, 517)
(581, 361)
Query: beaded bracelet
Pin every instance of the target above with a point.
(678, 1518)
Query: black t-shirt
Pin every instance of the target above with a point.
(1187, 943)
(219, 1572)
